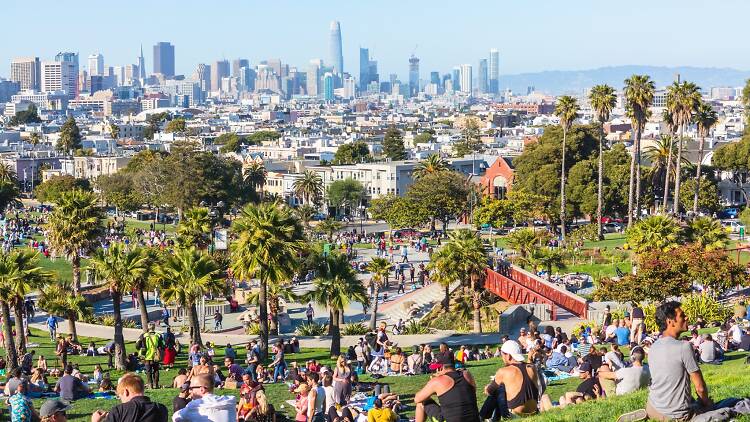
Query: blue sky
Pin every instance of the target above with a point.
(530, 35)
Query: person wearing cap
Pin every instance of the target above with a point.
(456, 391)
(153, 346)
(516, 384)
(53, 410)
(135, 406)
(21, 407)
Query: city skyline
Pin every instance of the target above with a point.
(556, 37)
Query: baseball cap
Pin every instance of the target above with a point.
(512, 348)
(52, 406)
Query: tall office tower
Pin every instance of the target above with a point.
(96, 65)
(141, 66)
(63, 77)
(247, 78)
(238, 64)
(313, 78)
(466, 78)
(392, 78)
(277, 67)
(202, 75)
(413, 76)
(349, 89)
(364, 68)
(220, 69)
(164, 59)
(482, 77)
(328, 81)
(373, 73)
(456, 78)
(27, 71)
(83, 81)
(119, 74)
(494, 71)
(335, 49)
(435, 78)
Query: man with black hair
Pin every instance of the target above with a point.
(456, 391)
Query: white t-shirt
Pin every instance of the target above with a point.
(735, 334)
(631, 379)
(610, 331)
(613, 360)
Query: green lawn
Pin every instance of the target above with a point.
(729, 379)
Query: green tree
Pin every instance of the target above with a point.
(379, 269)
(443, 195)
(682, 99)
(119, 267)
(73, 228)
(494, 212)
(471, 141)
(639, 94)
(305, 213)
(655, 233)
(23, 117)
(603, 100)
(335, 287)
(114, 130)
(256, 175)
(309, 188)
(433, 164)
(177, 125)
(352, 153)
(119, 190)
(734, 158)
(347, 193)
(50, 190)
(523, 241)
(70, 137)
(583, 198)
(707, 233)
(29, 276)
(746, 101)
(57, 300)
(195, 228)
(566, 110)
(329, 227)
(257, 138)
(425, 137)
(661, 155)
(547, 259)
(398, 211)
(269, 239)
(708, 200)
(184, 277)
(393, 144)
(705, 118)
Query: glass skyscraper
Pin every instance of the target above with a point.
(164, 59)
(413, 75)
(335, 49)
(494, 72)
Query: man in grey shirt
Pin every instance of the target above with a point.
(707, 349)
(673, 368)
(631, 378)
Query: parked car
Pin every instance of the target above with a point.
(612, 227)
(730, 212)
(406, 233)
(732, 226)
(606, 220)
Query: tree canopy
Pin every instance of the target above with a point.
(393, 144)
(345, 193)
(50, 190)
(352, 153)
(443, 194)
(30, 115)
(70, 137)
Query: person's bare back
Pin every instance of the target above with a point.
(511, 377)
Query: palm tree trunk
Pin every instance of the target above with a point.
(562, 187)
(20, 332)
(677, 174)
(330, 321)
(263, 315)
(273, 305)
(600, 187)
(631, 188)
(477, 310)
(195, 327)
(72, 330)
(374, 314)
(335, 334)
(120, 353)
(638, 173)
(447, 298)
(10, 345)
(144, 311)
(668, 175)
(698, 174)
(76, 264)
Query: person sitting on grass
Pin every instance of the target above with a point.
(135, 406)
(557, 360)
(516, 386)
(628, 379)
(379, 413)
(69, 387)
(455, 390)
(205, 406)
(22, 409)
(182, 398)
(588, 389)
(53, 410)
(709, 351)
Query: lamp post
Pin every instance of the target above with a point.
(362, 211)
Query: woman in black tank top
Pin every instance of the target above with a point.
(459, 404)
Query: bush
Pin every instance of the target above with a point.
(355, 329)
(649, 313)
(109, 321)
(311, 330)
(704, 306)
(253, 330)
(581, 327)
(416, 327)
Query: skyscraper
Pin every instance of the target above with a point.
(482, 76)
(27, 72)
(203, 76)
(466, 78)
(328, 81)
(413, 75)
(313, 78)
(220, 69)
(96, 64)
(456, 78)
(238, 64)
(164, 59)
(364, 68)
(141, 66)
(62, 74)
(494, 71)
(335, 49)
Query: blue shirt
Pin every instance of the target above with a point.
(52, 322)
(623, 336)
(557, 359)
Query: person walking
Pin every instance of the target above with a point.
(52, 326)
(404, 253)
(218, 318)
(309, 313)
(153, 347)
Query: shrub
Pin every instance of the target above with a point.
(649, 313)
(311, 330)
(355, 329)
(704, 306)
(253, 330)
(416, 327)
(109, 321)
(581, 327)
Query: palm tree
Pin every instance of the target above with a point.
(57, 300)
(705, 119)
(305, 213)
(276, 292)
(379, 269)
(8, 276)
(433, 164)
(336, 287)
(465, 254)
(30, 278)
(566, 110)
(119, 268)
(682, 100)
(603, 100)
(73, 228)
(269, 239)
(522, 241)
(185, 277)
(329, 227)
(669, 120)
(309, 188)
(657, 232)
(195, 228)
(547, 259)
(708, 233)
(639, 94)
(7, 174)
(255, 176)
(661, 154)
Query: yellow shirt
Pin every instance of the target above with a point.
(381, 415)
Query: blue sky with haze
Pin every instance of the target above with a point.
(530, 35)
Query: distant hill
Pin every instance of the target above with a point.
(574, 81)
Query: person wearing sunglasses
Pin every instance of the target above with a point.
(206, 406)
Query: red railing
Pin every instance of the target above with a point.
(520, 287)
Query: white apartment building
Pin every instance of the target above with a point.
(92, 167)
(49, 100)
(59, 76)
(27, 72)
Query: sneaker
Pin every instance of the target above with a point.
(636, 415)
